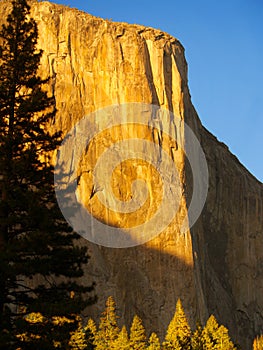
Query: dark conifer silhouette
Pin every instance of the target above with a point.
(38, 251)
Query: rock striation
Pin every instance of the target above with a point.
(216, 266)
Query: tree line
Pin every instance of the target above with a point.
(179, 336)
(107, 335)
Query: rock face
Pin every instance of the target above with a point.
(216, 266)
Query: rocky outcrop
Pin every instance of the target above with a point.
(216, 266)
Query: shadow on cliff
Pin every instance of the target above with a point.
(215, 271)
(144, 281)
(148, 281)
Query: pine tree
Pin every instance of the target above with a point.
(137, 334)
(197, 338)
(154, 342)
(108, 327)
(209, 333)
(216, 337)
(178, 334)
(78, 338)
(258, 343)
(34, 238)
(122, 342)
(90, 334)
(223, 340)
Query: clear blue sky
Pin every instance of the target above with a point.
(224, 50)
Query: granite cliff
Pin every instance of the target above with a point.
(215, 266)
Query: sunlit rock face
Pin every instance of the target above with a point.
(216, 266)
